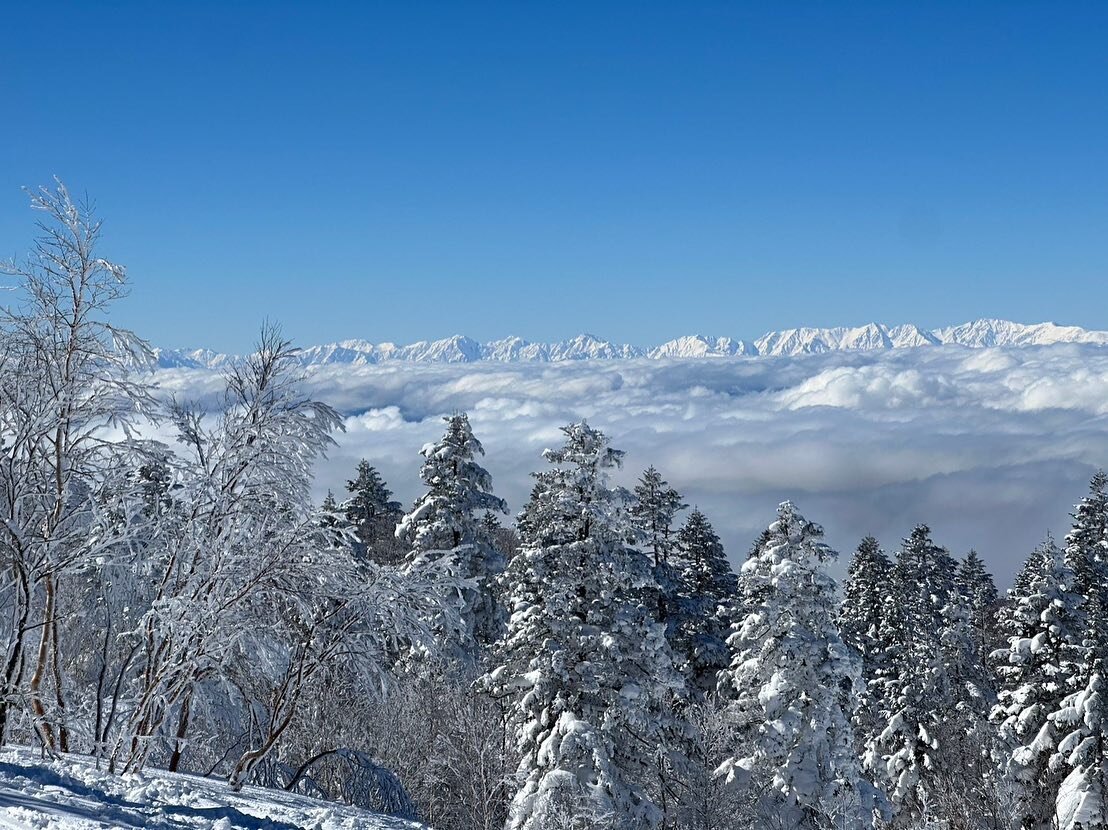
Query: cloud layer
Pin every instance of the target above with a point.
(990, 447)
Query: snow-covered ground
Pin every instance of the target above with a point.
(71, 794)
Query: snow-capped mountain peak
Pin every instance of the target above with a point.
(795, 341)
(697, 345)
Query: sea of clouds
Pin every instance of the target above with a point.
(990, 447)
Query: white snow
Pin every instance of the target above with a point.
(71, 794)
(796, 341)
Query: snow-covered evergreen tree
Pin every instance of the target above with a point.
(459, 491)
(1081, 719)
(965, 734)
(1039, 623)
(333, 520)
(653, 511)
(932, 744)
(795, 685)
(584, 663)
(373, 514)
(916, 697)
(446, 521)
(978, 593)
(860, 621)
(867, 582)
(705, 608)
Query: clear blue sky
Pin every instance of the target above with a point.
(409, 170)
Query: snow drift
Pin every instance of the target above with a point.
(71, 794)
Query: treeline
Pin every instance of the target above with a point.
(631, 679)
(595, 663)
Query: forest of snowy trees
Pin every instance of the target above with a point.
(595, 663)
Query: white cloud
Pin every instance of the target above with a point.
(990, 447)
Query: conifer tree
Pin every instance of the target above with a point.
(584, 663)
(916, 698)
(706, 604)
(373, 514)
(447, 521)
(1039, 624)
(652, 513)
(333, 520)
(978, 593)
(1081, 718)
(795, 684)
(861, 624)
(965, 735)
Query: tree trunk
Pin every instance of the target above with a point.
(13, 671)
(182, 729)
(59, 697)
(41, 660)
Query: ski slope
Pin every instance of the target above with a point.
(71, 794)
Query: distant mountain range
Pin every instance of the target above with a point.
(460, 349)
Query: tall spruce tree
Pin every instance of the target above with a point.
(979, 595)
(965, 735)
(1039, 625)
(916, 698)
(706, 604)
(861, 622)
(448, 521)
(1081, 718)
(584, 663)
(795, 685)
(373, 515)
(652, 512)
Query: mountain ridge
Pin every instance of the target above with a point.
(981, 333)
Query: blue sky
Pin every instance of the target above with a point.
(400, 171)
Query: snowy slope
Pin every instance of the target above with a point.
(70, 794)
(698, 345)
(788, 342)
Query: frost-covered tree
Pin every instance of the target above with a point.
(916, 697)
(1081, 719)
(446, 524)
(795, 686)
(1039, 624)
(861, 622)
(965, 735)
(245, 587)
(705, 607)
(653, 511)
(708, 801)
(867, 583)
(66, 378)
(459, 490)
(584, 663)
(373, 513)
(978, 593)
(931, 750)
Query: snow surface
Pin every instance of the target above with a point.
(872, 336)
(71, 794)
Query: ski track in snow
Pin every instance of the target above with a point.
(71, 794)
